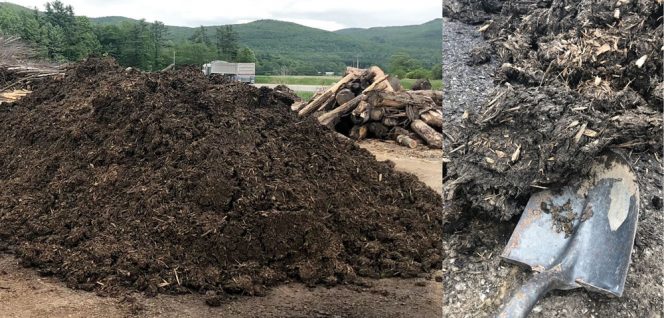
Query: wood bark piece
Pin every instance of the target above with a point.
(316, 103)
(342, 138)
(433, 118)
(433, 138)
(168, 68)
(331, 118)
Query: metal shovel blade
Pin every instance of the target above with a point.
(580, 236)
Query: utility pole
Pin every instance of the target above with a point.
(173, 56)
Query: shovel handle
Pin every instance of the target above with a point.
(524, 299)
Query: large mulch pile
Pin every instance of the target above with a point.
(173, 182)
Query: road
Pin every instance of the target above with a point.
(297, 88)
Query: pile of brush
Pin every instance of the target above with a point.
(367, 103)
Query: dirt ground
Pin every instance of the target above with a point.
(23, 293)
(426, 164)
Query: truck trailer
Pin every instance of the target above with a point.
(243, 72)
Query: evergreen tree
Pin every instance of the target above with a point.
(200, 36)
(227, 43)
(159, 32)
(78, 39)
(136, 49)
(246, 55)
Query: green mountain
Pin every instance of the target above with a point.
(13, 7)
(112, 20)
(301, 44)
(423, 42)
(279, 42)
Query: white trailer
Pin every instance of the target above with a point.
(243, 72)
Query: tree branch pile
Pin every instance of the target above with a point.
(18, 71)
(365, 103)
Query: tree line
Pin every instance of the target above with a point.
(57, 34)
(404, 66)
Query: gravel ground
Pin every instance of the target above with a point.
(476, 281)
(465, 87)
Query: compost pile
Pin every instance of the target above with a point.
(577, 78)
(367, 103)
(172, 182)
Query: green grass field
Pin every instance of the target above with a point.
(306, 96)
(407, 83)
(298, 80)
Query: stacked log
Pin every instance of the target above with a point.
(367, 103)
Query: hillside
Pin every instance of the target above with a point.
(420, 41)
(111, 20)
(13, 7)
(302, 44)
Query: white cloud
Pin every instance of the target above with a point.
(323, 14)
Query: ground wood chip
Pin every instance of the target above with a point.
(574, 83)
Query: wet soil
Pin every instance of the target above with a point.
(115, 180)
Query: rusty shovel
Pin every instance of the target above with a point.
(578, 236)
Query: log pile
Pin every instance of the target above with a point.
(367, 103)
(18, 80)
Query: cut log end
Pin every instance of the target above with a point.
(406, 141)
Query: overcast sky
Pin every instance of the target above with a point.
(323, 14)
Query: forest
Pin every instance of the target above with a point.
(278, 48)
